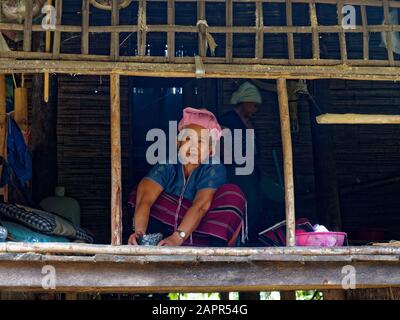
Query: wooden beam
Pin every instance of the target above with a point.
(85, 27)
(108, 273)
(287, 161)
(28, 25)
(187, 70)
(352, 118)
(116, 166)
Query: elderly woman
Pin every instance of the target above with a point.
(190, 202)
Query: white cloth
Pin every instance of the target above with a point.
(247, 92)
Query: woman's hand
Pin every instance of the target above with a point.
(133, 239)
(174, 240)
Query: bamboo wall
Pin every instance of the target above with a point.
(368, 153)
(84, 150)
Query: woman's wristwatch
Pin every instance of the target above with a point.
(181, 234)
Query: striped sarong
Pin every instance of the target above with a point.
(225, 219)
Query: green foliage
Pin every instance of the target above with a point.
(309, 295)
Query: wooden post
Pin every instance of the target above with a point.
(260, 33)
(287, 161)
(85, 27)
(289, 22)
(21, 110)
(115, 35)
(201, 15)
(334, 294)
(389, 40)
(116, 184)
(342, 33)
(57, 34)
(28, 25)
(170, 34)
(142, 28)
(364, 19)
(229, 35)
(315, 34)
(288, 295)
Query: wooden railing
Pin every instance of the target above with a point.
(259, 29)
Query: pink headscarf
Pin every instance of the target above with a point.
(201, 117)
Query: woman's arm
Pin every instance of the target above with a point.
(147, 193)
(194, 215)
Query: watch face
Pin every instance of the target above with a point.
(182, 234)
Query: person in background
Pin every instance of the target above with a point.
(246, 101)
(190, 202)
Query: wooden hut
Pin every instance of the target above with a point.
(89, 68)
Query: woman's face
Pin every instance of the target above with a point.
(194, 144)
(248, 108)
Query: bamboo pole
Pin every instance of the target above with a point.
(342, 34)
(201, 15)
(260, 33)
(115, 35)
(262, 253)
(229, 35)
(116, 167)
(245, 69)
(21, 110)
(85, 27)
(364, 19)
(315, 32)
(28, 25)
(352, 118)
(142, 28)
(389, 40)
(57, 34)
(287, 161)
(171, 35)
(46, 87)
(290, 38)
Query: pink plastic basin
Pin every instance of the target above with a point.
(320, 239)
